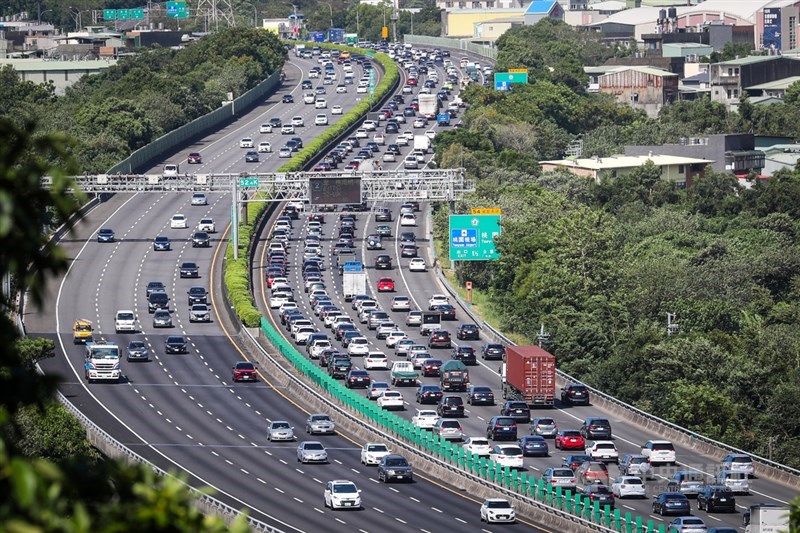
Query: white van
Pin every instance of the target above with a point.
(171, 169)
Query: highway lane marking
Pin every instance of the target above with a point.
(279, 490)
(400, 520)
(320, 511)
(394, 489)
(340, 521)
(414, 499)
(378, 510)
(460, 520)
(297, 499)
(437, 510)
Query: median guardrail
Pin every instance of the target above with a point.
(484, 50)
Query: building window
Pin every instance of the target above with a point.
(792, 32)
(448, 4)
(680, 184)
(736, 93)
(736, 71)
(490, 4)
(681, 169)
(462, 5)
(476, 5)
(730, 71)
(730, 94)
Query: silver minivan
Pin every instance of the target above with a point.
(448, 428)
(738, 482)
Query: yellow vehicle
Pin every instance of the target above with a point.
(81, 331)
(344, 55)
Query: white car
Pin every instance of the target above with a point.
(264, 147)
(320, 103)
(410, 163)
(318, 347)
(394, 336)
(361, 133)
(370, 125)
(419, 358)
(361, 89)
(659, 452)
(376, 361)
(199, 198)
(297, 121)
(417, 265)
(438, 299)
(285, 152)
(170, 169)
(628, 487)
(408, 219)
(603, 450)
(419, 123)
(308, 98)
(321, 120)
(124, 320)
(178, 222)
(279, 299)
(341, 89)
(302, 335)
(509, 455)
(402, 346)
(280, 430)
(497, 510)
(389, 157)
(265, 128)
(287, 129)
(401, 141)
(373, 452)
(358, 346)
(425, 418)
(247, 142)
(207, 225)
(401, 303)
(391, 399)
(430, 134)
(342, 494)
(379, 138)
(478, 445)
(336, 110)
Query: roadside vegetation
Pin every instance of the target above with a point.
(601, 265)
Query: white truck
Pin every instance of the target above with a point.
(428, 105)
(354, 280)
(102, 362)
(765, 518)
(422, 142)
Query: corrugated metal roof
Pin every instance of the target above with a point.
(635, 16)
(654, 71)
(744, 9)
(749, 60)
(782, 83)
(626, 161)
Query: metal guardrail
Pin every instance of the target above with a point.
(457, 44)
(610, 399)
(111, 447)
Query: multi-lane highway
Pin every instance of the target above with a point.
(184, 412)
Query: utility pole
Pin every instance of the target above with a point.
(543, 337)
(672, 324)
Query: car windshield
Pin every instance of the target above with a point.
(280, 425)
(396, 462)
(313, 446)
(571, 433)
(245, 366)
(175, 340)
(377, 448)
(344, 489)
(125, 316)
(136, 345)
(494, 504)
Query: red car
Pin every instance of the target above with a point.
(570, 439)
(244, 371)
(412, 82)
(194, 158)
(432, 367)
(386, 285)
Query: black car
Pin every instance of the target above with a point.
(408, 237)
(292, 145)
(383, 262)
(598, 492)
(450, 406)
(391, 128)
(394, 467)
(501, 428)
(306, 84)
(480, 395)
(339, 367)
(287, 99)
(468, 332)
(596, 428)
(492, 350)
(153, 286)
(161, 244)
(534, 445)
(176, 344)
(439, 339)
(429, 394)
(251, 157)
(517, 410)
(675, 503)
(383, 214)
(447, 310)
(105, 235)
(714, 498)
(357, 378)
(189, 270)
(465, 354)
(157, 300)
(276, 122)
(575, 394)
(575, 460)
(201, 240)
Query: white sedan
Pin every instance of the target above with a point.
(358, 346)
(395, 336)
(408, 220)
(628, 487)
(603, 450)
(361, 89)
(265, 128)
(425, 418)
(373, 452)
(389, 157)
(264, 147)
(391, 399)
(376, 360)
(417, 265)
(478, 445)
(285, 152)
(509, 455)
(321, 120)
(361, 133)
(247, 142)
(497, 510)
(178, 222)
(438, 299)
(336, 110)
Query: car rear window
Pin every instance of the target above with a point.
(506, 421)
(562, 472)
(663, 446)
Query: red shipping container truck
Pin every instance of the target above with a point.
(529, 374)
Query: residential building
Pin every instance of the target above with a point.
(730, 78)
(645, 88)
(734, 153)
(774, 89)
(460, 23)
(680, 170)
(541, 9)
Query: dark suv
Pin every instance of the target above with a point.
(450, 406)
(596, 428)
(715, 498)
(465, 354)
(493, 351)
(501, 428)
(575, 394)
(468, 332)
(197, 295)
(383, 262)
(394, 467)
(383, 215)
(439, 339)
(519, 411)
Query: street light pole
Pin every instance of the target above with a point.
(330, 8)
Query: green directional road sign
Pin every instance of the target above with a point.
(472, 237)
(178, 10)
(137, 14)
(109, 14)
(248, 182)
(123, 14)
(504, 80)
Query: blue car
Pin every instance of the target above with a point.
(105, 235)
(534, 445)
(161, 244)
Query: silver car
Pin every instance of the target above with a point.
(162, 319)
(280, 430)
(320, 423)
(448, 428)
(199, 313)
(544, 427)
(311, 451)
(137, 351)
